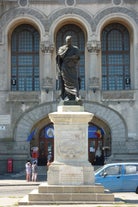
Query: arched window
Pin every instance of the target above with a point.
(115, 57)
(78, 40)
(25, 59)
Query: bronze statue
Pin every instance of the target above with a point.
(67, 60)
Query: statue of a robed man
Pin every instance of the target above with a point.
(67, 59)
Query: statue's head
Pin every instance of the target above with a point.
(68, 40)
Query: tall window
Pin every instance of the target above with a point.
(115, 57)
(78, 40)
(25, 59)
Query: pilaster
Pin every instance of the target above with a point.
(93, 48)
(47, 79)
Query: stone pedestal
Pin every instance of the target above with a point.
(71, 165)
(70, 176)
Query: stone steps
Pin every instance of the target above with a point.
(58, 194)
(45, 188)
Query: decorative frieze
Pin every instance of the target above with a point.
(94, 46)
(70, 2)
(47, 84)
(123, 10)
(94, 83)
(46, 47)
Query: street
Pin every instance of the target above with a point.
(11, 194)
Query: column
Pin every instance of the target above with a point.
(47, 80)
(93, 48)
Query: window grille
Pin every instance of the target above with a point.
(115, 58)
(25, 59)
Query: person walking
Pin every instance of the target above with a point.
(49, 159)
(34, 171)
(28, 170)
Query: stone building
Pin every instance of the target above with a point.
(106, 31)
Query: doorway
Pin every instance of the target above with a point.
(46, 144)
(95, 145)
(95, 151)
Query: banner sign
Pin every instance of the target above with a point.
(95, 132)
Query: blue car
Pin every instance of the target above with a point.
(118, 177)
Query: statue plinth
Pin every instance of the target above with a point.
(71, 165)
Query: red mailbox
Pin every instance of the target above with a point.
(10, 165)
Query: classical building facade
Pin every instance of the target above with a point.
(106, 31)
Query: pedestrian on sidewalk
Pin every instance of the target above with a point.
(28, 168)
(34, 171)
(49, 159)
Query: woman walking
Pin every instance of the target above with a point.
(28, 170)
(34, 171)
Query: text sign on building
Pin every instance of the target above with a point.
(5, 119)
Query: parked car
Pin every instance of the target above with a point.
(118, 177)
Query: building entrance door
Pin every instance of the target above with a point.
(95, 145)
(46, 145)
(95, 151)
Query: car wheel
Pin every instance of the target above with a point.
(137, 190)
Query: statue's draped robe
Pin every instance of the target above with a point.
(67, 60)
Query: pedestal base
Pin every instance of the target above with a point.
(68, 194)
(68, 174)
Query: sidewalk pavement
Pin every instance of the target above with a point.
(20, 180)
(128, 199)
